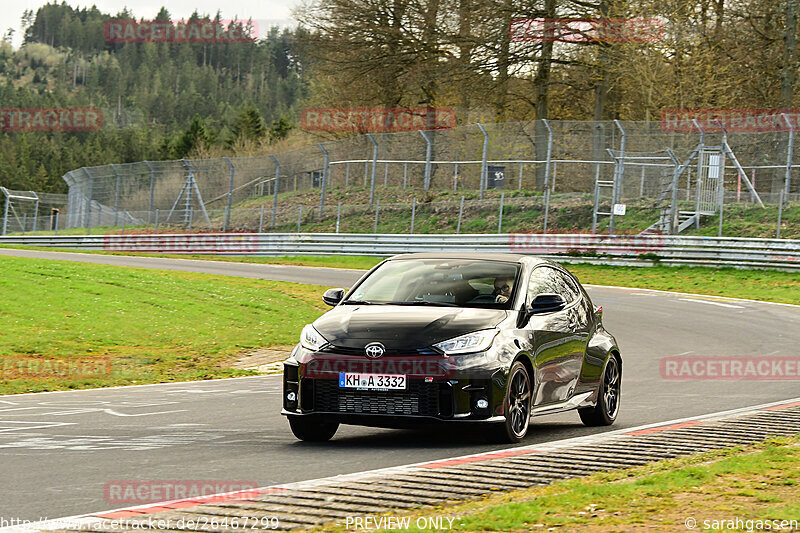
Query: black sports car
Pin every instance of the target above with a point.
(453, 337)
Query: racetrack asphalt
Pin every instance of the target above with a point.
(59, 450)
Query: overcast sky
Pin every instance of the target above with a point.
(265, 12)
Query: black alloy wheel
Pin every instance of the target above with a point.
(608, 397)
(517, 406)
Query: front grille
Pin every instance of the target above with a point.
(418, 399)
(344, 350)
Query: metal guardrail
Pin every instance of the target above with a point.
(638, 250)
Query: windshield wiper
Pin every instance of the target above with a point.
(424, 302)
(360, 302)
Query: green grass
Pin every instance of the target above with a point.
(155, 326)
(764, 285)
(754, 482)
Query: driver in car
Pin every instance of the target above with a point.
(502, 289)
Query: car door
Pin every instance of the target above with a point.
(556, 341)
(579, 311)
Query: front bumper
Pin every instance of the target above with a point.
(438, 389)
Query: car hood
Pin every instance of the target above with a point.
(400, 327)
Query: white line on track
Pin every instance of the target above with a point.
(674, 293)
(709, 302)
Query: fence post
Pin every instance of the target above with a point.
(338, 215)
(377, 207)
(276, 188)
(428, 152)
(5, 210)
(788, 177)
(35, 211)
(156, 229)
(699, 178)
(56, 228)
(484, 167)
(261, 220)
(152, 190)
(24, 222)
(616, 189)
(460, 214)
(547, 186)
(405, 174)
(299, 218)
(455, 177)
(324, 178)
(116, 195)
(374, 166)
(519, 185)
(347, 174)
(89, 205)
(227, 220)
(673, 208)
(386, 175)
(500, 220)
(721, 182)
(413, 213)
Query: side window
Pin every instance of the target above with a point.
(549, 280)
(569, 288)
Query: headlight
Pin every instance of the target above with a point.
(469, 343)
(311, 339)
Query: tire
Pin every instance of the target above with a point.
(312, 428)
(608, 397)
(516, 405)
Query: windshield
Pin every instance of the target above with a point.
(439, 282)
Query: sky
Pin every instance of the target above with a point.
(264, 12)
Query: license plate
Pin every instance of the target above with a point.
(372, 381)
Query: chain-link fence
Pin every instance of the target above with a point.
(29, 211)
(609, 164)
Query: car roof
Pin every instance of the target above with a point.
(514, 258)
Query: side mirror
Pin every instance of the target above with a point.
(333, 296)
(547, 303)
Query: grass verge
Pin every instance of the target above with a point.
(758, 482)
(152, 326)
(764, 285)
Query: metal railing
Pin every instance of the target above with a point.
(640, 250)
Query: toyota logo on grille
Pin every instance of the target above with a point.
(374, 350)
